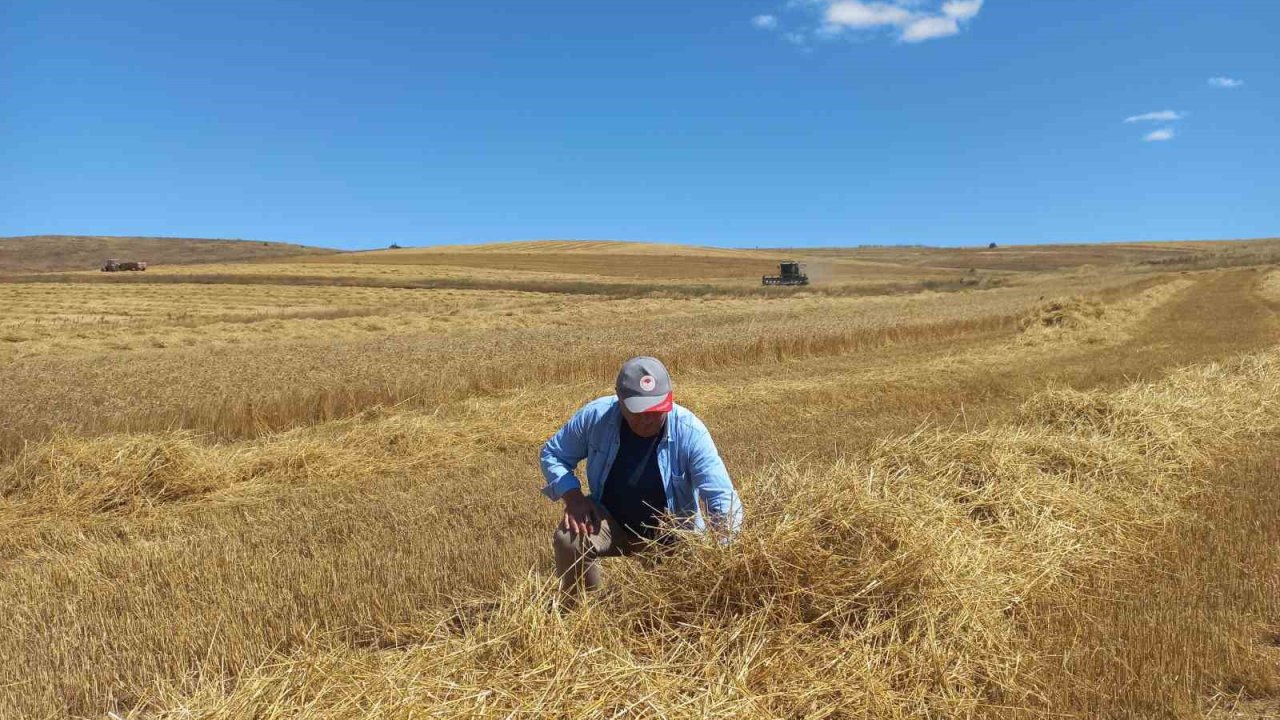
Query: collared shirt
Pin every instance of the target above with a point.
(690, 464)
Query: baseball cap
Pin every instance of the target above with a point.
(643, 385)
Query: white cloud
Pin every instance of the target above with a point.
(854, 14)
(1225, 82)
(765, 22)
(914, 20)
(1159, 135)
(962, 9)
(1161, 116)
(929, 27)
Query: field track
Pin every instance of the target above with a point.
(1218, 317)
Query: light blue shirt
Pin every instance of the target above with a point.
(691, 467)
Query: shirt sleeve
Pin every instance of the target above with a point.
(562, 453)
(711, 479)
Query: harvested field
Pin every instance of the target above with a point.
(40, 253)
(345, 349)
(895, 586)
(1051, 496)
(1270, 289)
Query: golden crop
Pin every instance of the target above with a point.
(264, 498)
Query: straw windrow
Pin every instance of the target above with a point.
(895, 585)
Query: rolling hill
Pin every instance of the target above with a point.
(42, 253)
(655, 261)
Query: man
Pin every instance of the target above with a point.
(647, 458)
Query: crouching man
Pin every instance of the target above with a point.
(647, 459)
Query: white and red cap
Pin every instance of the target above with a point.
(644, 386)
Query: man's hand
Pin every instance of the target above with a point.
(581, 517)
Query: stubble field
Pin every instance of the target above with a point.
(1022, 482)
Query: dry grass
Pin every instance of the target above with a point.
(50, 318)
(1198, 617)
(1039, 258)
(1270, 288)
(635, 269)
(626, 258)
(42, 253)
(898, 586)
(170, 551)
(1264, 251)
(649, 263)
(188, 367)
(368, 273)
(613, 262)
(1090, 320)
(593, 248)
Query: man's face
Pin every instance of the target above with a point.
(643, 424)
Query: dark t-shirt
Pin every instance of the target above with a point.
(635, 506)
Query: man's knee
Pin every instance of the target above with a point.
(566, 543)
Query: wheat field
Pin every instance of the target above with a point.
(1020, 483)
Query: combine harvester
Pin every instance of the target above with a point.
(122, 266)
(790, 273)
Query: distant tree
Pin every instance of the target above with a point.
(991, 246)
(394, 246)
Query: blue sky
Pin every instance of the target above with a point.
(801, 122)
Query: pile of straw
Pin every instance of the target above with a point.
(895, 585)
(1070, 313)
(1089, 319)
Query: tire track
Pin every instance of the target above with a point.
(848, 408)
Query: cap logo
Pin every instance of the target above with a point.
(647, 383)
